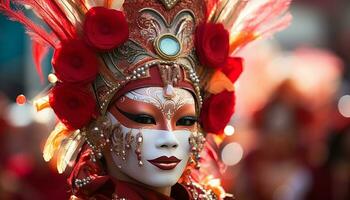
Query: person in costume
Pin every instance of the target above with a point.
(137, 85)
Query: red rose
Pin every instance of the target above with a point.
(233, 68)
(212, 44)
(217, 111)
(105, 29)
(75, 62)
(74, 105)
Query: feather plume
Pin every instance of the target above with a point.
(69, 151)
(229, 16)
(50, 12)
(36, 32)
(93, 3)
(219, 8)
(266, 13)
(277, 26)
(39, 51)
(211, 6)
(250, 20)
(73, 10)
(114, 4)
(54, 140)
(81, 4)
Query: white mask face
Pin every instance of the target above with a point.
(165, 148)
(164, 155)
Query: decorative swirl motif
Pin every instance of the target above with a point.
(152, 24)
(150, 28)
(130, 51)
(185, 33)
(154, 96)
(150, 21)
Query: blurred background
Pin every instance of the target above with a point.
(289, 138)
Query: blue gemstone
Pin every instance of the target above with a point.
(169, 45)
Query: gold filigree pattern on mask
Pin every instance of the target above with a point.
(121, 144)
(154, 96)
(117, 139)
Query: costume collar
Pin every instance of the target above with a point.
(136, 192)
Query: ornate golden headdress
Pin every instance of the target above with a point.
(104, 48)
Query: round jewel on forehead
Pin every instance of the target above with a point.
(155, 96)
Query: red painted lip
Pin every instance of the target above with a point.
(165, 163)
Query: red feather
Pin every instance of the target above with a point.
(81, 3)
(278, 25)
(267, 13)
(54, 17)
(39, 51)
(210, 6)
(36, 31)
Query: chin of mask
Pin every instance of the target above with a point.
(164, 155)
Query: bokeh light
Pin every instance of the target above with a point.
(52, 78)
(21, 99)
(229, 130)
(44, 116)
(344, 106)
(232, 153)
(20, 115)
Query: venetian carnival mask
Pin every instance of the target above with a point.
(141, 80)
(151, 141)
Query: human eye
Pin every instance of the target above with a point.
(186, 121)
(139, 118)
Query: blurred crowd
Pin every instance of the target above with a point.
(289, 138)
(292, 128)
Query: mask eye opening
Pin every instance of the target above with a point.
(138, 118)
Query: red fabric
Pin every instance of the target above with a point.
(212, 44)
(136, 192)
(75, 62)
(87, 168)
(39, 52)
(217, 111)
(74, 105)
(105, 29)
